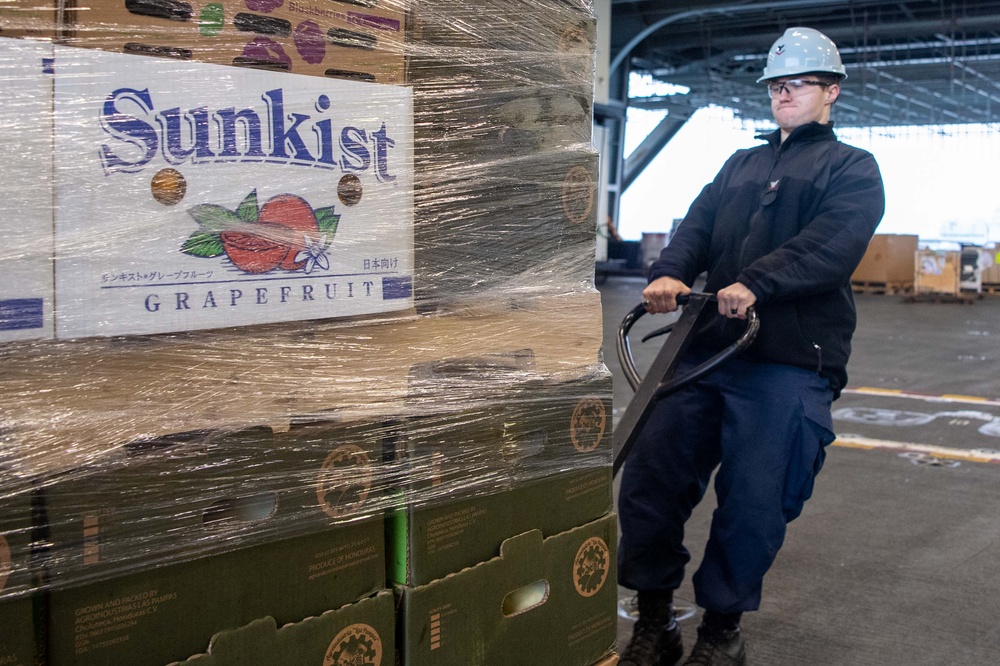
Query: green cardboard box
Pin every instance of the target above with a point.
(178, 498)
(15, 538)
(149, 503)
(427, 542)
(455, 454)
(452, 445)
(360, 633)
(542, 601)
(554, 451)
(326, 470)
(551, 426)
(18, 638)
(160, 615)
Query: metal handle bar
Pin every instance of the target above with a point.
(625, 350)
(652, 389)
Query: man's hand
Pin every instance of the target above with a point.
(734, 301)
(661, 294)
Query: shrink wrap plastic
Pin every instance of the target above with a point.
(272, 266)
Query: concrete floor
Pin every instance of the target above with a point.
(896, 558)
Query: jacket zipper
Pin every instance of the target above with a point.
(743, 245)
(819, 358)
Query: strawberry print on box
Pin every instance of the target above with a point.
(193, 196)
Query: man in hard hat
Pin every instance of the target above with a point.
(780, 229)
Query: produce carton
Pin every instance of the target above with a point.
(479, 476)
(541, 601)
(180, 498)
(19, 639)
(504, 225)
(26, 191)
(64, 403)
(161, 615)
(351, 40)
(360, 633)
(194, 196)
(35, 19)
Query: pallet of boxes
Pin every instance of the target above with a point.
(950, 276)
(991, 270)
(887, 266)
(301, 352)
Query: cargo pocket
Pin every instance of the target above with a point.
(807, 456)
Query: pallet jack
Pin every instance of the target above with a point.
(660, 381)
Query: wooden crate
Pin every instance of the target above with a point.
(888, 261)
(991, 272)
(937, 272)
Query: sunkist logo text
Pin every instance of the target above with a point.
(138, 132)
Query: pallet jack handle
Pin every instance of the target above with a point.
(660, 381)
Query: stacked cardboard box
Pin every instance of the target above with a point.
(363, 41)
(154, 206)
(888, 262)
(17, 602)
(505, 196)
(361, 633)
(541, 601)
(478, 474)
(278, 327)
(197, 532)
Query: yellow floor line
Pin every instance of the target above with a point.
(868, 389)
(948, 397)
(964, 398)
(858, 442)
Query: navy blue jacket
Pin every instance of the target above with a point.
(791, 221)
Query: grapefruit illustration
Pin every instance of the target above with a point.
(296, 217)
(255, 252)
(286, 232)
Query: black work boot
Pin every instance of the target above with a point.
(656, 638)
(718, 647)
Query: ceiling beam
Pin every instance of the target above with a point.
(745, 6)
(654, 142)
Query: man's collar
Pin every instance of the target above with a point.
(809, 130)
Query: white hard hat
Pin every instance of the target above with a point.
(802, 50)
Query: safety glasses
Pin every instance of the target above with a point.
(794, 87)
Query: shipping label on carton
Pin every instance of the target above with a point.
(192, 196)
(26, 191)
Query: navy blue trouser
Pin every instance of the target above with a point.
(765, 427)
